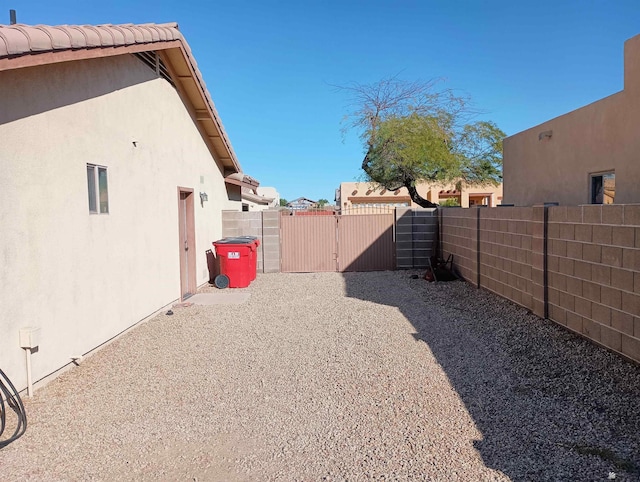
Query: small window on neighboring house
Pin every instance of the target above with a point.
(98, 190)
(603, 188)
(245, 207)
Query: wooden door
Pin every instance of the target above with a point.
(187, 245)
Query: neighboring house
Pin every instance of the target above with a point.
(365, 197)
(257, 198)
(270, 193)
(112, 185)
(251, 200)
(302, 203)
(588, 156)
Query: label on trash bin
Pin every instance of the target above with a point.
(233, 255)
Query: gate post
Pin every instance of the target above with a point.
(403, 221)
(271, 241)
(415, 236)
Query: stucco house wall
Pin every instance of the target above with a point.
(83, 278)
(361, 197)
(554, 161)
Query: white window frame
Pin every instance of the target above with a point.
(93, 189)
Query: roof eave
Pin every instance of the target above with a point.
(257, 198)
(176, 55)
(191, 86)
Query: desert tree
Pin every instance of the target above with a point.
(415, 131)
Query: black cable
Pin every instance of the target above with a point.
(9, 394)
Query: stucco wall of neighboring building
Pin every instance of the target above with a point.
(355, 197)
(271, 193)
(83, 278)
(265, 198)
(553, 161)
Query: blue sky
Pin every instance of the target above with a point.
(270, 65)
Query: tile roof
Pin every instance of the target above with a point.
(32, 45)
(22, 39)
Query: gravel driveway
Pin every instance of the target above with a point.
(332, 376)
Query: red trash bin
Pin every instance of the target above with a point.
(254, 253)
(236, 257)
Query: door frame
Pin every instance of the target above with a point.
(187, 242)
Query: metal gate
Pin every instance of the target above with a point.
(337, 243)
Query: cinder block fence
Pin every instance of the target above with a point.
(263, 224)
(576, 265)
(415, 236)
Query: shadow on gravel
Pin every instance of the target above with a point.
(549, 404)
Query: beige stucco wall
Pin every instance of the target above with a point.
(83, 278)
(365, 191)
(272, 193)
(598, 137)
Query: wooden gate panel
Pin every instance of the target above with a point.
(308, 244)
(365, 242)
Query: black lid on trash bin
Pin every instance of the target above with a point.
(236, 240)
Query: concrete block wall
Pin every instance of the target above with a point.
(459, 236)
(576, 265)
(415, 230)
(539, 271)
(237, 223)
(415, 234)
(594, 273)
(505, 253)
(271, 241)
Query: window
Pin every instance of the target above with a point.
(603, 188)
(97, 187)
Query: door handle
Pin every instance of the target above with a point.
(186, 246)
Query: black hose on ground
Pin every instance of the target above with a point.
(10, 399)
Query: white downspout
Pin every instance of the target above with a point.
(29, 339)
(29, 377)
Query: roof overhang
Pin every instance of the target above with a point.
(31, 46)
(242, 180)
(256, 198)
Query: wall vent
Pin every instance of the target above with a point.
(154, 62)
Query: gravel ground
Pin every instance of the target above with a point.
(338, 377)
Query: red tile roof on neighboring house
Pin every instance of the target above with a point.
(33, 45)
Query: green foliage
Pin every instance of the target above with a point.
(409, 147)
(322, 202)
(479, 147)
(450, 202)
(283, 201)
(424, 148)
(413, 133)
